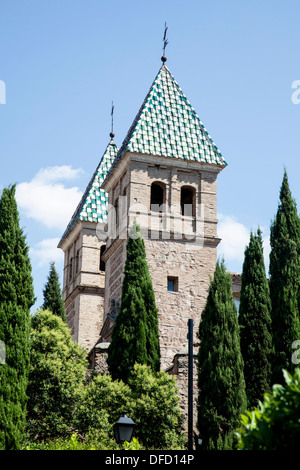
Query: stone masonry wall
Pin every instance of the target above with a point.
(83, 288)
(169, 254)
(114, 276)
(192, 270)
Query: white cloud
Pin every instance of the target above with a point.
(46, 251)
(46, 199)
(235, 238)
(52, 174)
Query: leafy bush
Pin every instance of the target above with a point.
(56, 378)
(62, 402)
(155, 408)
(275, 423)
(94, 441)
(70, 443)
(149, 398)
(133, 445)
(103, 401)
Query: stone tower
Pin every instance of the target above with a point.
(165, 177)
(84, 269)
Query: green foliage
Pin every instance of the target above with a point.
(68, 443)
(155, 408)
(255, 322)
(16, 298)
(221, 382)
(150, 399)
(285, 280)
(16, 284)
(93, 441)
(135, 336)
(275, 423)
(57, 377)
(102, 397)
(61, 401)
(133, 445)
(53, 300)
(226, 441)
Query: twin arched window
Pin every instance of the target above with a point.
(187, 199)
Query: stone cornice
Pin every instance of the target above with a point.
(157, 160)
(177, 163)
(84, 290)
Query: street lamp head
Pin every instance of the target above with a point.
(123, 429)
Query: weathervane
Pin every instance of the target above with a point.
(164, 59)
(112, 120)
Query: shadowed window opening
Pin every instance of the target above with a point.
(157, 197)
(102, 263)
(187, 201)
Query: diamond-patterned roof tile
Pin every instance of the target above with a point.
(167, 125)
(93, 204)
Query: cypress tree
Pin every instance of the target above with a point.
(222, 397)
(135, 337)
(284, 281)
(52, 295)
(16, 298)
(255, 322)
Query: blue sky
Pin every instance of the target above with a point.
(64, 62)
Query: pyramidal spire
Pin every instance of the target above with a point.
(167, 125)
(93, 204)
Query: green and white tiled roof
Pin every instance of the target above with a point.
(167, 125)
(93, 204)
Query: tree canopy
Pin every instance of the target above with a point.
(284, 280)
(255, 322)
(53, 300)
(221, 397)
(16, 298)
(57, 377)
(135, 337)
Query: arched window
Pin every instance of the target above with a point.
(157, 199)
(116, 206)
(71, 269)
(102, 263)
(77, 261)
(188, 201)
(123, 205)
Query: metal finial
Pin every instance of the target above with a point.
(166, 42)
(112, 120)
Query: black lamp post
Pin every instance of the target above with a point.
(123, 429)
